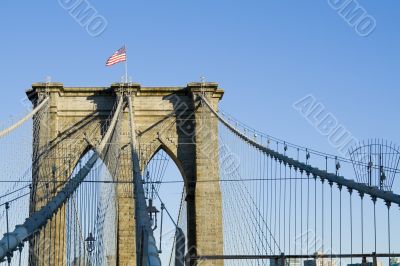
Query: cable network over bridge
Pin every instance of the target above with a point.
(82, 172)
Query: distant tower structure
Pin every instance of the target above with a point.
(288, 262)
(318, 261)
(376, 163)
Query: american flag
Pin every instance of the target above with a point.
(118, 56)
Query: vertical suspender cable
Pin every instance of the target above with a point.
(44, 244)
(295, 212)
(50, 244)
(315, 214)
(388, 222)
(301, 214)
(280, 201)
(74, 224)
(340, 223)
(284, 210)
(308, 210)
(275, 194)
(8, 240)
(322, 216)
(290, 207)
(374, 201)
(362, 222)
(331, 184)
(351, 226)
(20, 254)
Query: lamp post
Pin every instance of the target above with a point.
(90, 241)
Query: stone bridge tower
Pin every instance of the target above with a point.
(169, 118)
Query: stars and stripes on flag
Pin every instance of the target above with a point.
(118, 56)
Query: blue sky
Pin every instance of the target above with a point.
(265, 54)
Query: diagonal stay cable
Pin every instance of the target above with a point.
(39, 219)
(252, 209)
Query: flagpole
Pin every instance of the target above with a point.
(126, 65)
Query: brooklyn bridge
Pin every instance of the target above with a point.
(80, 177)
